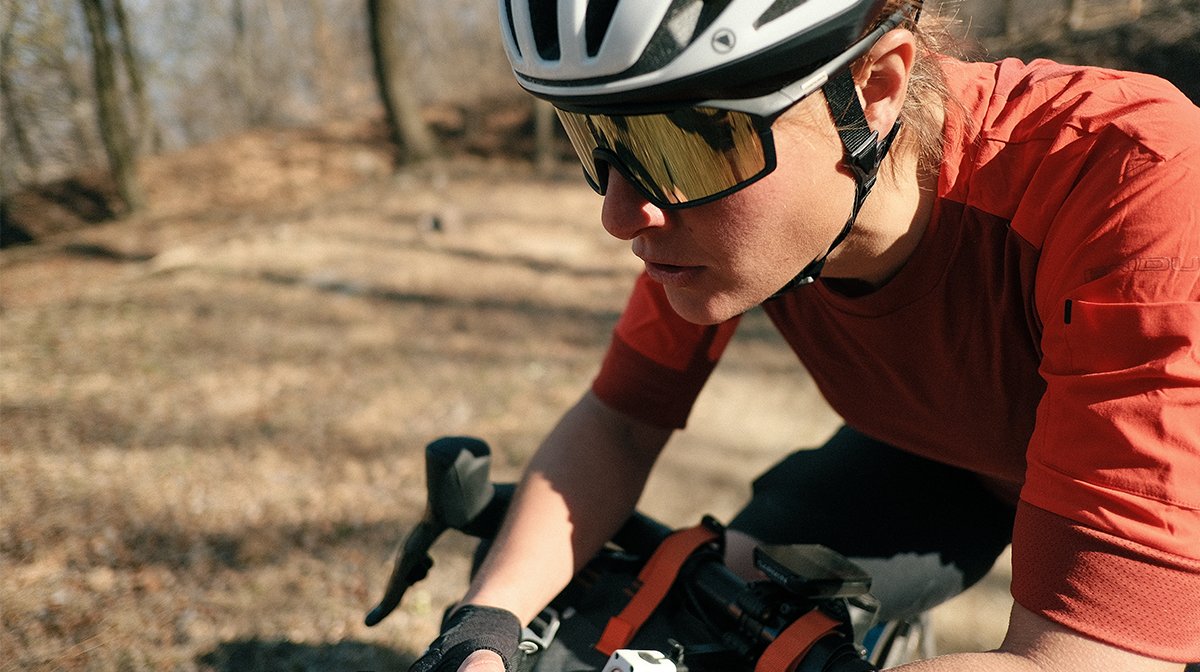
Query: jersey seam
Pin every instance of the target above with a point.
(1118, 488)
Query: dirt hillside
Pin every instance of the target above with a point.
(213, 413)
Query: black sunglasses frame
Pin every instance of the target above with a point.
(608, 157)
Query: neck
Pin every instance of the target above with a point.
(890, 225)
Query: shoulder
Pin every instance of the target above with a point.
(1040, 101)
(1009, 120)
(1073, 157)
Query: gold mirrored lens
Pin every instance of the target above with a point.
(678, 156)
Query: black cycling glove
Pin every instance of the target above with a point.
(470, 629)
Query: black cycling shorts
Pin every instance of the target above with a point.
(924, 530)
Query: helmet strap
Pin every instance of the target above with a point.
(863, 153)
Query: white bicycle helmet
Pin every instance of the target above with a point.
(608, 53)
(624, 58)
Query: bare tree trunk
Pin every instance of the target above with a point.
(278, 22)
(148, 137)
(400, 105)
(322, 39)
(74, 71)
(113, 129)
(1012, 27)
(543, 137)
(80, 110)
(1077, 14)
(8, 100)
(243, 66)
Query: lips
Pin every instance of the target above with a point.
(672, 274)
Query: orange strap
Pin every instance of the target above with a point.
(655, 578)
(790, 647)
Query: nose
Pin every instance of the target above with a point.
(626, 213)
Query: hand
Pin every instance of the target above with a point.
(482, 661)
(482, 639)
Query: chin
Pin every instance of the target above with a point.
(706, 308)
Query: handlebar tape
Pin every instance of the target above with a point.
(655, 578)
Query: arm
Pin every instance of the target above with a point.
(590, 471)
(1035, 644)
(579, 488)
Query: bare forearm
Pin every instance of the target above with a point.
(1035, 644)
(578, 489)
(992, 661)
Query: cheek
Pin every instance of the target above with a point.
(809, 163)
(740, 227)
(777, 219)
(808, 147)
(810, 183)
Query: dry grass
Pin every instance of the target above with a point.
(213, 414)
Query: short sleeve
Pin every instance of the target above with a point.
(1107, 538)
(657, 362)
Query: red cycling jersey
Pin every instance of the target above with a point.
(1045, 333)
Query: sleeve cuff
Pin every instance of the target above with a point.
(1108, 588)
(638, 386)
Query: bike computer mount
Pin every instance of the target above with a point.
(812, 571)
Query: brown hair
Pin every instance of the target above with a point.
(927, 90)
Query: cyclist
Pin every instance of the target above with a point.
(991, 270)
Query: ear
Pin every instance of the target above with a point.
(883, 78)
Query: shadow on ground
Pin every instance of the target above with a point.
(256, 655)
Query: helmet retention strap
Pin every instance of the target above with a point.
(863, 153)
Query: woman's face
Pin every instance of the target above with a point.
(720, 259)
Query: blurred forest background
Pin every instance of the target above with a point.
(258, 252)
(101, 83)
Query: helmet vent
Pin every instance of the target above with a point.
(510, 26)
(684, 22)
(776, 10)
(596, 21)
(545, 28)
